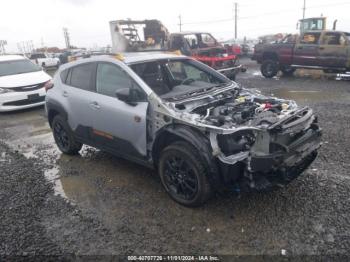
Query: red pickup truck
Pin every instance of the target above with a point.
(325, 50)
(206, 49)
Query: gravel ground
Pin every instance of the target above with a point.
(99, 204)
(27, 201)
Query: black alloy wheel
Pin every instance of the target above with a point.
(61, 136)
(64, 137)
(184, 174)
(180, 178)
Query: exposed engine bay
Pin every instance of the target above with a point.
(239, 107)
(265, 135)
(245, 110)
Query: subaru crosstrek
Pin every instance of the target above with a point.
(198, 129)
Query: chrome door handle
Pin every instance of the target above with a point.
(65, 93)
(95, 105)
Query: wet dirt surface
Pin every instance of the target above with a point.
(95, 203)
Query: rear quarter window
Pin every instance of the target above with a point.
(64, 75)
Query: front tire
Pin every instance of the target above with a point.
(184, 175)
(64, 137)
(269, 68)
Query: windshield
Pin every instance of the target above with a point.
(36, 56)
(174, 78)
(17, 67)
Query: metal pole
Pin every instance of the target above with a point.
(304, 9)
(236, 20)
(180, 23)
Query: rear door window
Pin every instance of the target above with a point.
(332, 38)
(81, 76)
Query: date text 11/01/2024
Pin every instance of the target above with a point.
(173, 258)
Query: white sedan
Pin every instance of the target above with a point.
(22, 83)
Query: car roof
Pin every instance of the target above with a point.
(11, 57)
(330, 31)
(137, 57)
(128, 58)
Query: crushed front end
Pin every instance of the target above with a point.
(258, 142)
(275, 154)
(278, 144)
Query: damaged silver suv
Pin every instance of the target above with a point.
(201, 131)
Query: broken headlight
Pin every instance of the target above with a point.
(236, 142)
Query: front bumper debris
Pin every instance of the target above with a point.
(292, 154)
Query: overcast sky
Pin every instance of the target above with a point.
(87, 20)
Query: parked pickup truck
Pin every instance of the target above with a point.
(205, 48)
(44, 60)
(325, 50)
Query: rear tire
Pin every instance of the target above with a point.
(269, 68)
(184, 175)
(64, 136)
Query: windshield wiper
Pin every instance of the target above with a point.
(198, 92)
(206, 89)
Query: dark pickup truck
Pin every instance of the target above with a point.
(325, 50)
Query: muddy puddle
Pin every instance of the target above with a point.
(78, 178)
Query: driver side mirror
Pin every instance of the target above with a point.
(128, 95)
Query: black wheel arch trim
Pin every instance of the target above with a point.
(195, 138)
(53, 106)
